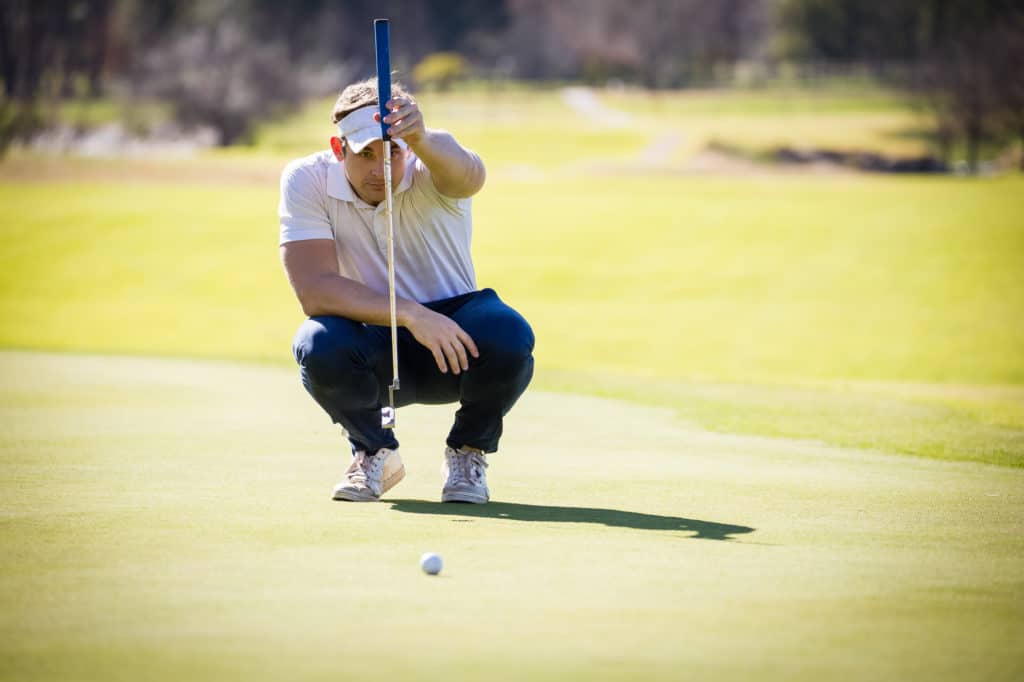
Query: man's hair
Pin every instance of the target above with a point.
(361, 94)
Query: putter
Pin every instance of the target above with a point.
(382, 45)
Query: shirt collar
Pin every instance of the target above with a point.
(339, 188)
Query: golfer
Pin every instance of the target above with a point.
(456, 343)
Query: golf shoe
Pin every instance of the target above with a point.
(370, 476)
(465, 476)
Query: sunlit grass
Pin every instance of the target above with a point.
(512, 127)
(139, 115)
(759, 122)
(508, 128)
(821, 101)
(656, 288)
(800, 306)
(171, 520)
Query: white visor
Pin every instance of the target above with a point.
(359, 129)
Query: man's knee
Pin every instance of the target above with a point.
(330, 349)
(506, 341)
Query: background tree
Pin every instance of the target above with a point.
(963, 56)
(228, 63)
(1008, 47)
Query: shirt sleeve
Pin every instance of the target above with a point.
(452, 205)
(302, 211)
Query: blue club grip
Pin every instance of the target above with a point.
(382, 45)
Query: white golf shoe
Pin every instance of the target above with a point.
(465, 476)
(370, 476)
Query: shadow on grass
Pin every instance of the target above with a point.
(708, 530)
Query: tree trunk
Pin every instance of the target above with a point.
(1021, 135)
(33, 40)
(973, 146)
(100, 19)
(944, 137)
(7, 71)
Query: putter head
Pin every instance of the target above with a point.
(387, 417)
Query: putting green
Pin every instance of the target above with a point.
(170, 520)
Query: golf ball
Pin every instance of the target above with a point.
(431, 563)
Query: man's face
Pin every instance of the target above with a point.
(365, 170)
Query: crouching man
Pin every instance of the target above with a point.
(456, 344)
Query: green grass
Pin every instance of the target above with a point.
(748, 305)
(761, 121)
(537, 128)
(797, 306)
(780, 340)
(511, 127)
(756, 102)
(169, 520)
(741, 280)
(790, 296)
(85, 113)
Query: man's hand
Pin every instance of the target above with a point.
(405, 119)
(456, 171)
(449, 343)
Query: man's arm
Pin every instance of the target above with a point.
(312, 269)
(456, 171)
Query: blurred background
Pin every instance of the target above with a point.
(783, 217)
(111, 72)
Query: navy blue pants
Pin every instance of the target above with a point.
(346, 367)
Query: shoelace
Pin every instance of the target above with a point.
(466, 467)
(367, 466)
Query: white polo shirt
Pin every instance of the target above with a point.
(432, 231)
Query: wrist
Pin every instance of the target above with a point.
(421, 144)
(407, 312)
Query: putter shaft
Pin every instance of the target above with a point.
(390, 423)
(382, 47)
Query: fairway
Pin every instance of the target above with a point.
(776, 430)
(170, 520)
(862, 311)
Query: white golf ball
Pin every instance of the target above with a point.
(431, 563)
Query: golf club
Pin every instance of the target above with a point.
(382, 45)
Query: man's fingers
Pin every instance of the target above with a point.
(399, 114)
(449, 343)
(399, 102)
(460, 351)
(403, 124)
(468, 342)
(439, 359)
(453, 358)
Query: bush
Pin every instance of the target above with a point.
(219, 76)
(440, 70)
(18, 121)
